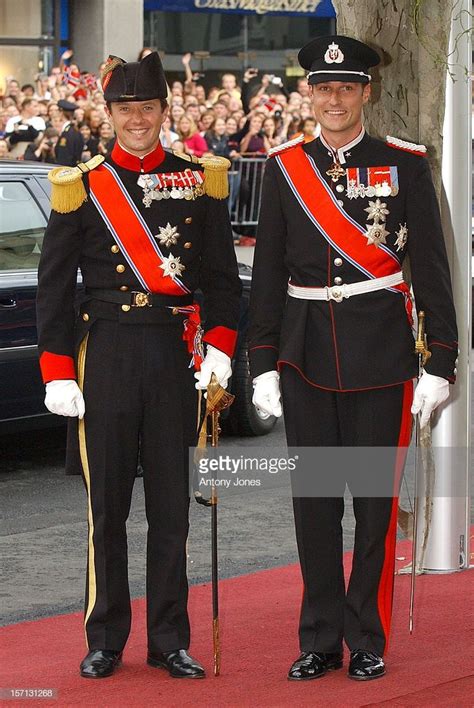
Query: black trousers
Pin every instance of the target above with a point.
(361, 614)
(140, 400)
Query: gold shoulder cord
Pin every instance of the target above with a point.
(216, 183)
(68, 193)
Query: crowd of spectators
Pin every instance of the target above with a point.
(234, 119)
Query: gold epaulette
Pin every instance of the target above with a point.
(216, 183)
(68, 192)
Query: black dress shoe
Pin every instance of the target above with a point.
(365, 665)
(100, 663)
(311, 665)
(178, 663)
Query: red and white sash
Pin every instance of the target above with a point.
(338, 228)
(343, 233)
(131, 232)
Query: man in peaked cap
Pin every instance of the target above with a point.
(69, 146)
(331, 322)
(146, 228)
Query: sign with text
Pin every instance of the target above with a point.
(313, 8)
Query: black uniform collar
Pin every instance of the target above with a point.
(147, 163)
(339, 154)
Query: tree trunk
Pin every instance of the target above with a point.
(408, 88)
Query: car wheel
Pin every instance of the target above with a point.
(244, 419)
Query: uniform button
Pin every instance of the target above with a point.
(188, 220)
(455, 371)
(340, 202)
(125, 308)
(174, 311)
(338, 280)
(120, 268)
(338, 261)
(85, 317)
(188, 244)
(340, 188)
(124, 288)
(115, 248)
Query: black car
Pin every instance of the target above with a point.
(24, 210)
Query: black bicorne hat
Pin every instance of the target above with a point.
(337, 58)
(134, 81)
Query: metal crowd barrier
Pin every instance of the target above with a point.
(245, 190)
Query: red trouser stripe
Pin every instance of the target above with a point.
(385, 591)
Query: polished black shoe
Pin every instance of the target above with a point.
(311, 665)
(365, 665)
(178, 663)
(100, 663)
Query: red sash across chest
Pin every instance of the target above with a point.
(131, 232)
(338, 228)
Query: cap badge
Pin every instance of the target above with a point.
(333, 54)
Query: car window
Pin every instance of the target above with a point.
(22, 226)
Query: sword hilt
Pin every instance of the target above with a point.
(421, 342)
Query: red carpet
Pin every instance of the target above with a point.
(259, 615)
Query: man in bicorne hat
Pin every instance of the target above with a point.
(146, 228)
(331, 322)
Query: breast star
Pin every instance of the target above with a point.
(168, 235)
(172, 266)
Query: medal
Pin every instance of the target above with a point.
(376, 234)
(198, 191)
(147, 197)
(175, 193)
(377, 211)
(172, 266)
(168, 235)
(335, 172)
(402, 234)
(165, 194)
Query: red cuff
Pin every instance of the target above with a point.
(56, 366)
(222, 338)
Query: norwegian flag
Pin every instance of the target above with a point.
(71, 77)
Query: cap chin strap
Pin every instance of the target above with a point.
(339, 71)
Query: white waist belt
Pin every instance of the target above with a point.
(339, 292)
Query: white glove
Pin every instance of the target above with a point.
(215, 362)
(266, 393)
(64, 397)
(430, 392)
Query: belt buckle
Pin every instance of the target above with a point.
(335, 292)
(140, 299)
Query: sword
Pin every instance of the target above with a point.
(218, 399)
(421, 348)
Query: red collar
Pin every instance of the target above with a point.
(137, 164)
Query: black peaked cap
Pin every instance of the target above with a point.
(337, 58)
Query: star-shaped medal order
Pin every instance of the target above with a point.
(172, 266)
(402, 234)
(377, 210)
(168, 235)
(376, 234)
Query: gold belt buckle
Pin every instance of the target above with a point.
(140, 299)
